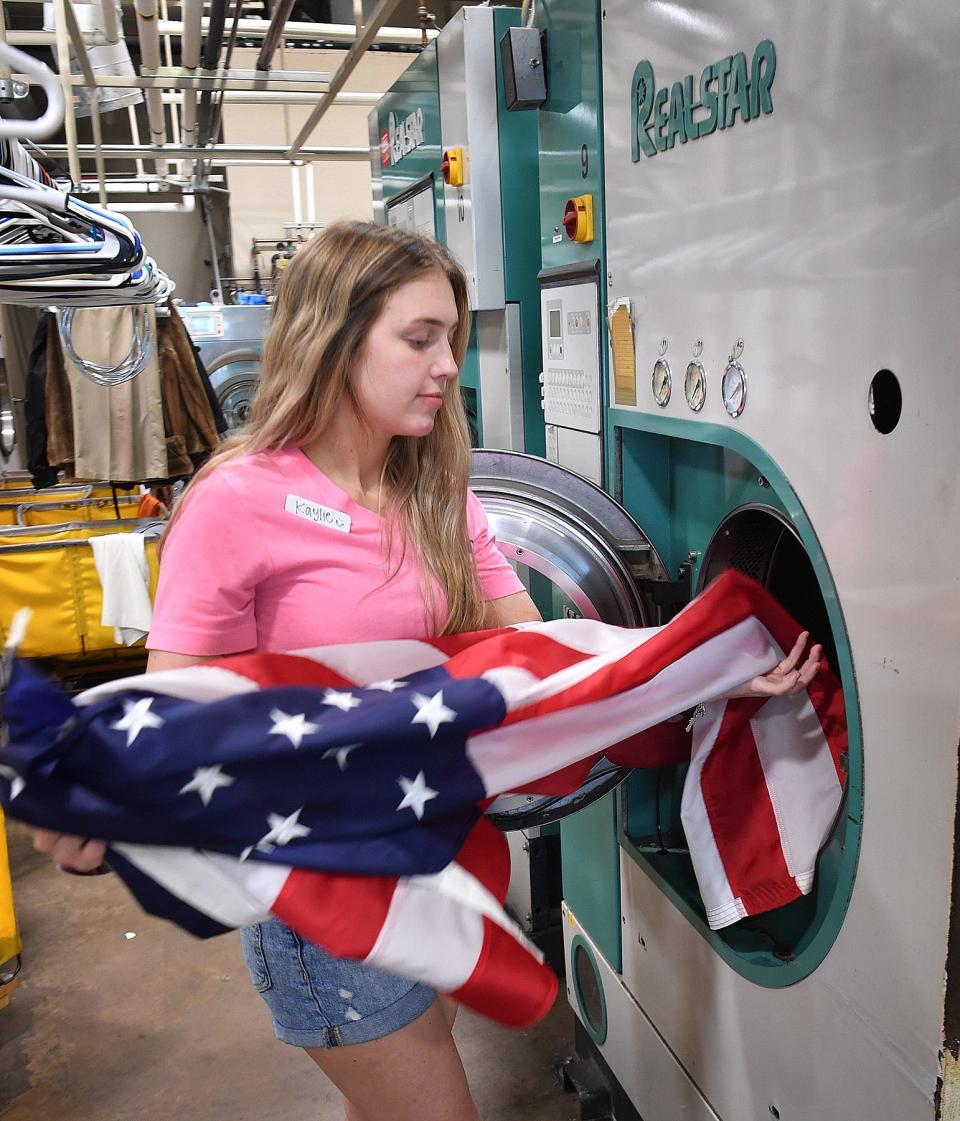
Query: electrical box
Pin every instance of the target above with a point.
(524, 74)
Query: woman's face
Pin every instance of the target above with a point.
(406, 364)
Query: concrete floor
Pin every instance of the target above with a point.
(162, 1026)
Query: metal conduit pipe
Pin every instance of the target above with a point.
(190, 59)
(377, 17)
(111, 26)
(5, 72)
(386, 37)
(168, 60)
(149, 34)
(73, 29)
(328, 32)
(280, 14)
(276, 97)
(218, 153)
(63, 67)
(218, 115)
(211, 57)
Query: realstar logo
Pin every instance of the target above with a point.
(660, 117)
(406, 136)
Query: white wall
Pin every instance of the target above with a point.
(261, 198)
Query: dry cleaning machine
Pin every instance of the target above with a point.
(774, 268)
(778, 275)
(748, 271)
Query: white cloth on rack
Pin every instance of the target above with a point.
(121, 562)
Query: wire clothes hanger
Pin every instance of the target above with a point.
(54, 248)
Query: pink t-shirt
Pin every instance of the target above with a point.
(268, 554)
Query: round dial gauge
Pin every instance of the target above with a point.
(662, 382)
(733, 388)
(695, 386)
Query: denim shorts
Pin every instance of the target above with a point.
(317, 1000)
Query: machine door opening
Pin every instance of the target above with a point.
(235, 377)
(784, 945)
(759, 542)
(581, 554)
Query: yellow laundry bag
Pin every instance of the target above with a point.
(9, 938)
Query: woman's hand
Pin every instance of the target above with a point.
(73, 854)
(789, 677)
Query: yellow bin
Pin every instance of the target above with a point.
(9, 938)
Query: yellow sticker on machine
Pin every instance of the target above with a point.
(624, 356)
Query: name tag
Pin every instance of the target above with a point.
(314, 512)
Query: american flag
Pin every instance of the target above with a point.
(342, 789)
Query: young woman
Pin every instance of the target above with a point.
(342, 513)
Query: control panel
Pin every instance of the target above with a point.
(569, 316)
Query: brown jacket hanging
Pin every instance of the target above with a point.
(189, 430)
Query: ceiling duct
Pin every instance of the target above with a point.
(104, 57)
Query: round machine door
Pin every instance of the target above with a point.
(235, 375)
(580, 555)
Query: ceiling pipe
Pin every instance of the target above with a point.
(63, 66)
(111, 26)
(264, 153)
(148, 32)
(211, 58)
(218, 117)
(275, 97)
(328, 32)
(73, 30)
(251, 29)
(179, 79)
(349, 64)
(190, 58)
(279, 17)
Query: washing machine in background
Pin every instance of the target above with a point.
(230, 339)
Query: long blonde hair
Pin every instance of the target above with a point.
(331, 294)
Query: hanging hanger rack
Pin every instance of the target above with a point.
(52, 118)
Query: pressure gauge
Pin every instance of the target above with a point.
(662, 382)
(695, 385)
(733, 388)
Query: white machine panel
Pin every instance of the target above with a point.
(791, 243)
(634, 1050)
(799, 1054)
(569, 316)
(577, 451)
(466, 62)
(415, 212)
(500, 358)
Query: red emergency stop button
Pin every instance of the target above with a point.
(578, 218)
(451, 167)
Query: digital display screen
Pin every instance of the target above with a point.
(555, 323)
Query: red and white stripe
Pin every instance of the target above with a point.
(762, 792)
(448, 930)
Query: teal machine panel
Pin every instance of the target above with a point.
(571, 165)
(570, 130)
(519, 172)
(405, 149)
(710, 498)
